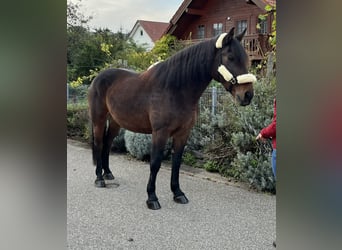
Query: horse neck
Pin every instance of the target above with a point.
(199, 67)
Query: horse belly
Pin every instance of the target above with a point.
(127, 103)
(135, 120)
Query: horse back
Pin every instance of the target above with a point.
(104, 80)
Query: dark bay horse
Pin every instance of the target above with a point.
(163, 101)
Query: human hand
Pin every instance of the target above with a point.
(259, 137)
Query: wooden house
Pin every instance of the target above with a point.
(146, 33)
(197, 20)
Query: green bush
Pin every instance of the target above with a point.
(228, 138)
(119, 142)
(189, 159)
(78, 126)
(139, 145)
(211, 166)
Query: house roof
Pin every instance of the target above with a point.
(154, 29)
(262, 3)
(184, 7)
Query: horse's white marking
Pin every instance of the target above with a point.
(154, 64)
(220, 40)
(225, 73)
(246, 78)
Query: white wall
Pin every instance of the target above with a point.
(143, 39)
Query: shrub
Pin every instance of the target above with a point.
(189, 159)
(252, 162)
(119, 142)
(211, 166)
(78, 126)
(228, 138)
(139, 145)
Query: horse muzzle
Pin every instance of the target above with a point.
(245, 99)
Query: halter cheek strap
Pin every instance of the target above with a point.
(240, 79)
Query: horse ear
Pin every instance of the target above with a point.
(241, 35)
(228, 37)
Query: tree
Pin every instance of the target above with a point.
(271, 56)
(74, 16)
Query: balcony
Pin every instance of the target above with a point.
(256, 45)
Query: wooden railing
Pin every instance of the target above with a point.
(255, 45)
(252, 45)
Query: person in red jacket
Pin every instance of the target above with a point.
(269, 132)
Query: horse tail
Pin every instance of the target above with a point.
(97, 106)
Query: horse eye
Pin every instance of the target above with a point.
(231, 57)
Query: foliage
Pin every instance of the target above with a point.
(78, 94)
(270, 56)
(74, 15)
(165, 47)
(79, 126)
(139, 145)
(189, 159)
(211, 166)
(88, 52)
(228, 139)
(271, 10)
(78, 122)
(118, 144)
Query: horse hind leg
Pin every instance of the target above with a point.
(99, 114)
(98, 136)
(110, 133)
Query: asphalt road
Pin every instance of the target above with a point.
(219, 215)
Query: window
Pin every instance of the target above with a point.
(217, 29)
(241, 25)
(141, 32)
(262, 26)
(200, 32)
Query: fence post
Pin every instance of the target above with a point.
(213, 100)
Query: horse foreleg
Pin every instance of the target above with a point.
(158, 144)
(178, 149)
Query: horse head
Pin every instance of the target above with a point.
(231, 67)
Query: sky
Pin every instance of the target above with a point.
(114, 14)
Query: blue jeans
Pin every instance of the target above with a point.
(274, 160)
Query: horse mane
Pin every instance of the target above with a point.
(190, 66)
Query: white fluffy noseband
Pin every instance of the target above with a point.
(219, 41)
(241, 79)
(225, 73)
(245, 78)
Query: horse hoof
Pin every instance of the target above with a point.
(100, 183)
(154, 205)
(181, 199)
(108, 176)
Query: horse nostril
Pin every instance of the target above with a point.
(249, 95)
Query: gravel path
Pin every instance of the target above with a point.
(219, 215)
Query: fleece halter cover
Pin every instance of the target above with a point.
(240, 79)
